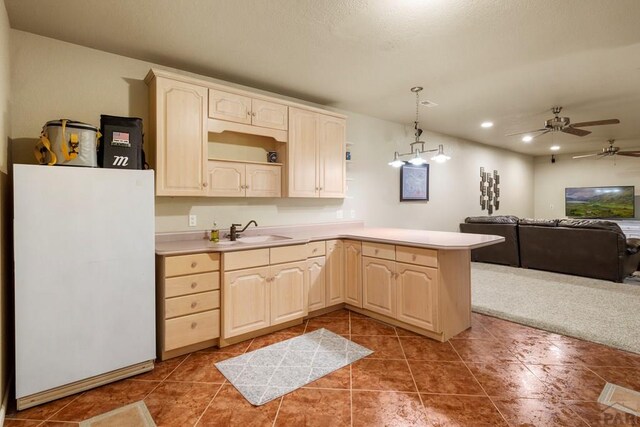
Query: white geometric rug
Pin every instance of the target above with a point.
(270, 372)
(591, 309)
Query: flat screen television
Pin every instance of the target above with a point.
(600, 202)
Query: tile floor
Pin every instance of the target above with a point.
(497, 373)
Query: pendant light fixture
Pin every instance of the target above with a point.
(417, 147)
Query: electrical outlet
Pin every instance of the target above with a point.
(339, 214)
(193, 220)
(353, 213)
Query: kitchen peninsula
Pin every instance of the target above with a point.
(272, 278)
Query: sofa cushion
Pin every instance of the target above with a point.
(538, 222)
(498, 219)
(591, 223)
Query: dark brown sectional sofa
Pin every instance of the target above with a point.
(590, 248)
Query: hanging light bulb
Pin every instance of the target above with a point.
(417, 160)
(440, 157)
(396, 163)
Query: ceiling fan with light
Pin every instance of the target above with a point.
(563, 124)
(610, 151)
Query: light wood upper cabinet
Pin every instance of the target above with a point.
(246, 297)
(331, 156)
(353, 273)
(269, 114)
(417, 289)
(335, 272)
(316, 155)
(317, 283)
(243, 109)
(237, 179)
(288, 293)
(379, 286)
(229, 106)
(179, 128)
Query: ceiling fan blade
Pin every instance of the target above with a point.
(596, 123)
(576, 132)
(542, 133)
(629, 153)
(586, 155)
(531, 131)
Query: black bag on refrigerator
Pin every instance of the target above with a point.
(121, 143)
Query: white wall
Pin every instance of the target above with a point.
(4, 134)
(552, 178)
(100, 82)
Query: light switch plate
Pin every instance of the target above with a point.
(193, 220)
(339, 214)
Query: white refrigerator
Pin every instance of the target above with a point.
(84, 278)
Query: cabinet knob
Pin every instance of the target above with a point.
(317, 188)
(194, 264)
(205, 184)
(193, 304)
(193, 285)
(315, 250)
(413, 257)
(320, 188)
(248, 113)
(376, 251)
(193, 325)
(253, 113)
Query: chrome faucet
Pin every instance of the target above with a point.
(234, 233)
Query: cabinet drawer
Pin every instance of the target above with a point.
(189, 264)
(379, 250)
(180, 306)
(192, 329)
(315, 249)
(419, 256)
(288, 254)
(185, 285)
(246, 259)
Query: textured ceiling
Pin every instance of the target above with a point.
(507, 61)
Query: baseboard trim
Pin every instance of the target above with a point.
(5, 401)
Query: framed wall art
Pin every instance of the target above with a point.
(414, 183)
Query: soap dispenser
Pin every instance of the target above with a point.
(215, 233)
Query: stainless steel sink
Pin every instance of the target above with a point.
(261, 239)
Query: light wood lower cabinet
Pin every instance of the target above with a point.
(335, 272)
(317, 295)
(379, 286)
(288, 299)
(259, 297)
(237, 179)
(417, 296)
(188, 303)
(353, 273)
(246, 296)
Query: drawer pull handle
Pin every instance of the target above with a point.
(315, 250)
(193, 285)
(194, 264)
(193, 304)
(414, 257)
(204, 184)
(376, 251)
(193, 325)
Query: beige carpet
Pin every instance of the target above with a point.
(134, 415)
(594, 310)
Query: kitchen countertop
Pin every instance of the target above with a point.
(186, 243)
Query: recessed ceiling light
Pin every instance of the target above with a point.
(487, 124)
(554, 148)
(527, 138)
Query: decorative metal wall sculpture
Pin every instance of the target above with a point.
(489, 191)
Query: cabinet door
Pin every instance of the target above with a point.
(379, 286)
(317, 283)
(418, 296)
(181, 138)
(302, 153)
(335, 272)
(226, 179)
(229, 106)
(288, 292)
(246, 296)
(331, 156)
(269, 114)
(353, 273)
(263, 180)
